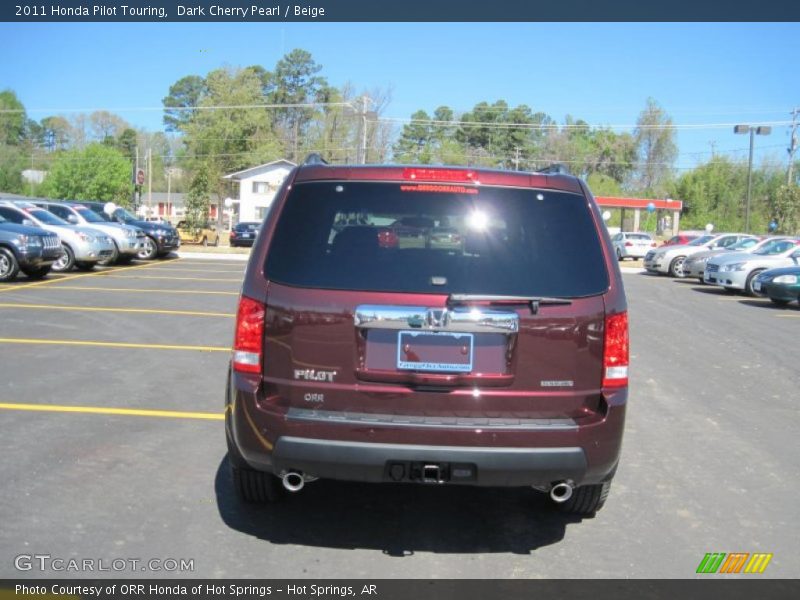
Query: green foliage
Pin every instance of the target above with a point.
(12, 124)
(184, 94)
(603, 185)
(98, 172)
(785, 207)
(716, 192)
(198, 198)
(12, 163)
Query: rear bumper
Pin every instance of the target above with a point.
(359, 461)
(493, 455)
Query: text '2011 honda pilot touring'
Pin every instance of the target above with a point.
(430, 325)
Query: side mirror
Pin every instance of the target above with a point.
(28, 223)
(72, 219)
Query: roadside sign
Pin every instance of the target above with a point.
(139, 176)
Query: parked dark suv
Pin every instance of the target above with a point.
(25, 248)
(498, 361)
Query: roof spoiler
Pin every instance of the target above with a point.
(554, 169)
(314, 158)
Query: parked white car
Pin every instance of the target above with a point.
(669, 259)
(737, 271)
(632, 244)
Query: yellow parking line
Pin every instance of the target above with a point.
(179, 270)
(140, 290)
(190, 313)
(112, 344)
(238, 279)
(133, 412)
(788, 316)
(69, 277)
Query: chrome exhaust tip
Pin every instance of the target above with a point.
(293, 481)
(561, 492)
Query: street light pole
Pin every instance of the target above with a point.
(749, 181)
(753, 131)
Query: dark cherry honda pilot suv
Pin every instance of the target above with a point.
(500, 360)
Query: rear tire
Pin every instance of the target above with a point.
(587, 499)
(9, 267)
(39, 273)
(619, 255)
(676, 267)
(251, 486)
(205, 241)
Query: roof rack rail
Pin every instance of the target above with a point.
(555, 169)
(315, 158)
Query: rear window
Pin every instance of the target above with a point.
(426, 238)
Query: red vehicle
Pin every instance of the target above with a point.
(497, 361)
(680, 239)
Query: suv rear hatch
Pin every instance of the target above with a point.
(498, 322)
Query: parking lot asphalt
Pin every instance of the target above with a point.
(113, 446)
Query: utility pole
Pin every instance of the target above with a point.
(361, 110)
(516, 158)
(136, 183)
(792, 146)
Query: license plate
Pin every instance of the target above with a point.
(757, 286)
(245, 235)
(435, 351)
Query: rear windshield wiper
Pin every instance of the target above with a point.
(532, 301)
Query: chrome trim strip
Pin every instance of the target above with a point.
(458, 319)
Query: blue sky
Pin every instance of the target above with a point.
(701, 73)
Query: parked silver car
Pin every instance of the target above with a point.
(737, 271)
(695, 265)
(669, 259)
(83, 246)
(128, 240)
(632, 244)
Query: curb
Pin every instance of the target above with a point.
(632, 270)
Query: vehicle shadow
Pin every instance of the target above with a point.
(398, 519)
(713, 290)
(763, 303)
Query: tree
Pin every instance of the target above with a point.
(296, 81)
(656, 148)
(56, 135)
(12, 123)
(106, 126)
(12, 164)
(198, 199)
(414, 144)
(786, 209)
(184, 95)
(219, 141)
(97, 172)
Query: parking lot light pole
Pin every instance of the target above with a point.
(753, 131)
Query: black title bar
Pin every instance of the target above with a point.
(264, 11)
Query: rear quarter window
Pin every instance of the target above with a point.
(427, 238)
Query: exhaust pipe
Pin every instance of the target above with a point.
(560, 492)
(293, 481)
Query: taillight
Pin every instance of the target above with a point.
(233, 234)
(388, 239)
(615, 352)
(418, 174)
(248, 342)
(653, 245)
(628, 244)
